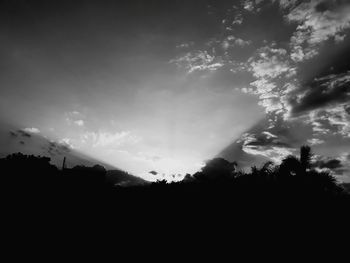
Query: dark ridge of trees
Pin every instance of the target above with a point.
(219, 184)
(218, 201)
(346, 186)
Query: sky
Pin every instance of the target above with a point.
(166, 85)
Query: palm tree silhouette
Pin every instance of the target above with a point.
(305, 157)
(292, 165)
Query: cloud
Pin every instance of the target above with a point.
(324, 91)
(31, 130)
(318, 21)
(274, 153)
(61, 147)
(237, 20)
(248, 5)
(336, 166)
(339, 118)
(185, 45)
(79, 122)
(330, 164)
(232, 41)
(75, 118)
(268, 66)
(269, 62)
(66, 142)
(252, 5)
(234, 17)
(331, 120)
(265, 144)
(108, 139)
(285, 4)
(24, 133)
(13, 134)
(269, 135)
(262, 139)
(198, 61)
(315, 141)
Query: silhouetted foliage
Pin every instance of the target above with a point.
(27, 171)
(305, 157)
(219, 185)
(215, 170)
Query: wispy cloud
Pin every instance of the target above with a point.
(265, 144)
(315, 141)
(108, 139)
(31, 130)
(318, 21)
(198, 61)
(79, 122)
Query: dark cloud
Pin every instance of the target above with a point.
(347, 109)
(327, 5)
(13, 134)
(20, 133)
(266, 139)
(322, 92)
(338, 166)
(24, 133)
(330, 164)
(55, 148)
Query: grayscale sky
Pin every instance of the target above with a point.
(166, 85)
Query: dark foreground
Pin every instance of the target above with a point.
(213, 205)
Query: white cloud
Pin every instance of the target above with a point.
(248, 5)
(268, 66)
(232, 41)
(316, 24)
(269, 134)
(269, 63)
(340, 119)
(31, 130)
(79, 122)
(287, 3)
(238, 20)
(263, 87)
(332, 119)
(265, 144)
(185, 45)
(75, 118)
(198, 61)
(107, 139)
(315, 141)
(271, 105)
(66, 142)
(274, 153)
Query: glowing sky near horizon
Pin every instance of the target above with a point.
(149, 85)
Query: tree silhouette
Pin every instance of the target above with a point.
(216, 183)
(305, 157)
(217, 169)
(291, 165)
